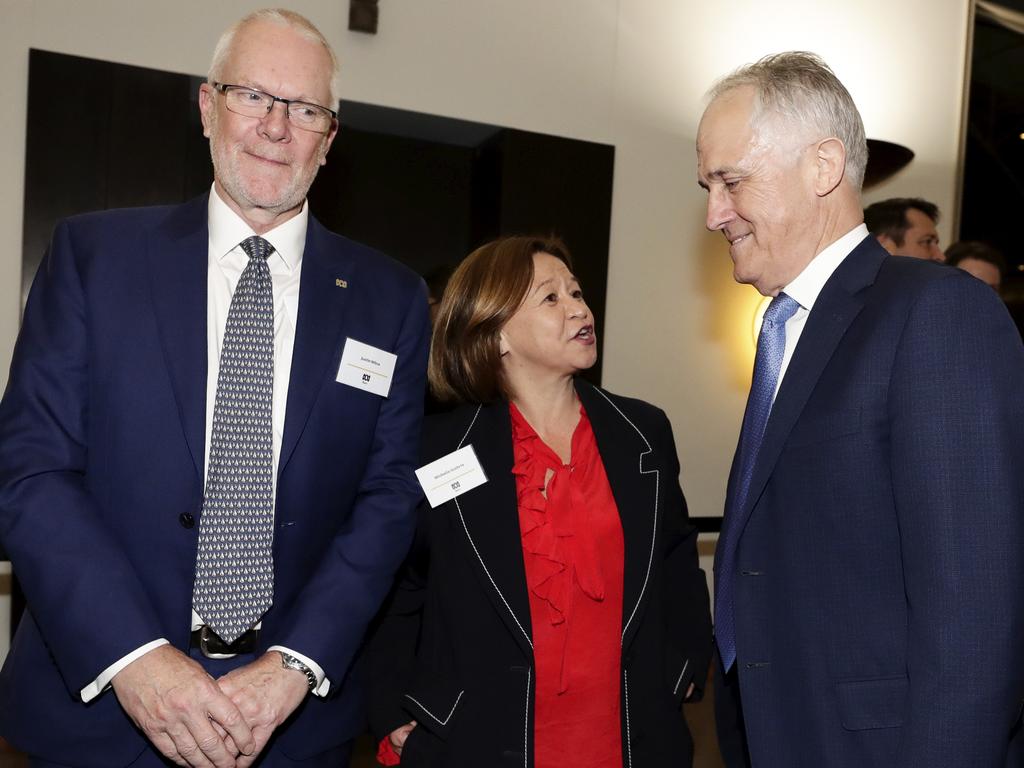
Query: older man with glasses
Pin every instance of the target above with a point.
(207, 449)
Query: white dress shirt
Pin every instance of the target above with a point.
(806, 286)
(226, 261)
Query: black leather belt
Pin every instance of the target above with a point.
(212, 647)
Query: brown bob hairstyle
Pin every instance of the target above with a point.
(485, 290)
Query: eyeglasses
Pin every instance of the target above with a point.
(251, 102)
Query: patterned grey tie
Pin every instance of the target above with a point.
(234, 566)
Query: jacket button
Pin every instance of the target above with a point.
(186, 520)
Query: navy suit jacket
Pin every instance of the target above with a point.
(101, 459)
(880, 567)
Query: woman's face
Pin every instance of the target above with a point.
(552, 332)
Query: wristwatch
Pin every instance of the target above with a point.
(290, 662)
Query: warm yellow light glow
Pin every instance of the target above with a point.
(759, 310)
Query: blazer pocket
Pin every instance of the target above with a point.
(867, 704)
(830, 426)
(434, 704)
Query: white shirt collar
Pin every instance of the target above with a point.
(228, 229)
(806, 286)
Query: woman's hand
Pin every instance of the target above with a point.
(398, 736)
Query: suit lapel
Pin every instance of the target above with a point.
(178, 254)
(626, 456)
(489, 518)
(839, 303)
(317, 334)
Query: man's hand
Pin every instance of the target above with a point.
(266, 693)
(398, 736)
(176, 704)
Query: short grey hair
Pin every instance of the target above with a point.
(801, 87)
(284, 17)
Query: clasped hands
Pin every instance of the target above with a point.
(194, 720)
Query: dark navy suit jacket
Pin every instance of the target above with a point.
(880, 569)
(101, 456)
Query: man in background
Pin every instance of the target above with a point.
(868, 602)
(905, 226)
(978, 259)
(207, 447)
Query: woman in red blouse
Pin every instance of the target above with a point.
(556, 614)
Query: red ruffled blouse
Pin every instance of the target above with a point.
(573, 553)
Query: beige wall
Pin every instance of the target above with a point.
(626, 72)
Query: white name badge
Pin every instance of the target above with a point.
(451, 476)
(365, 367)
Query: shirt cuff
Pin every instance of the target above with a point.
(100, 684)
(323, 685)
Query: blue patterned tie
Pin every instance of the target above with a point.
(234, 583)
(771, 344)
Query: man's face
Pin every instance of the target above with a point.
(921, 240)
(986, 272)
(268, 163)
(760, 191)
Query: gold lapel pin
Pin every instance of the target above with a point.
(341, 283)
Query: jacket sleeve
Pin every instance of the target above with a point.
(956, 430)
(388, 660)
(84, 593)
(685, 585)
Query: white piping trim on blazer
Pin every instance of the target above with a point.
(470, 427)
(526, 723)
(490, 578)
(439, 720)
(657, 490)
(473, 543)
(680, 680)
(629, 738)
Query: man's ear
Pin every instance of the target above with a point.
(888, 243)
(328, 140)
(830, 165)
(206, 107)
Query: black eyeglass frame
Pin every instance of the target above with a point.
(223, 89)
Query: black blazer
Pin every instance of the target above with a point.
(453, 650)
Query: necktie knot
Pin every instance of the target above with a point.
(781, 308)
(256, 247)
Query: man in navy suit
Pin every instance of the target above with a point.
(105, 435)
(870, 572)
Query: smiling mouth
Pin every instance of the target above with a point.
(736, 240)
(270, 160)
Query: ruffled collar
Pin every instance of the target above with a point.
(553, 514)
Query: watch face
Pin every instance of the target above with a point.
(289, 661)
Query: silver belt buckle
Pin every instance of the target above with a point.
(204, 636)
